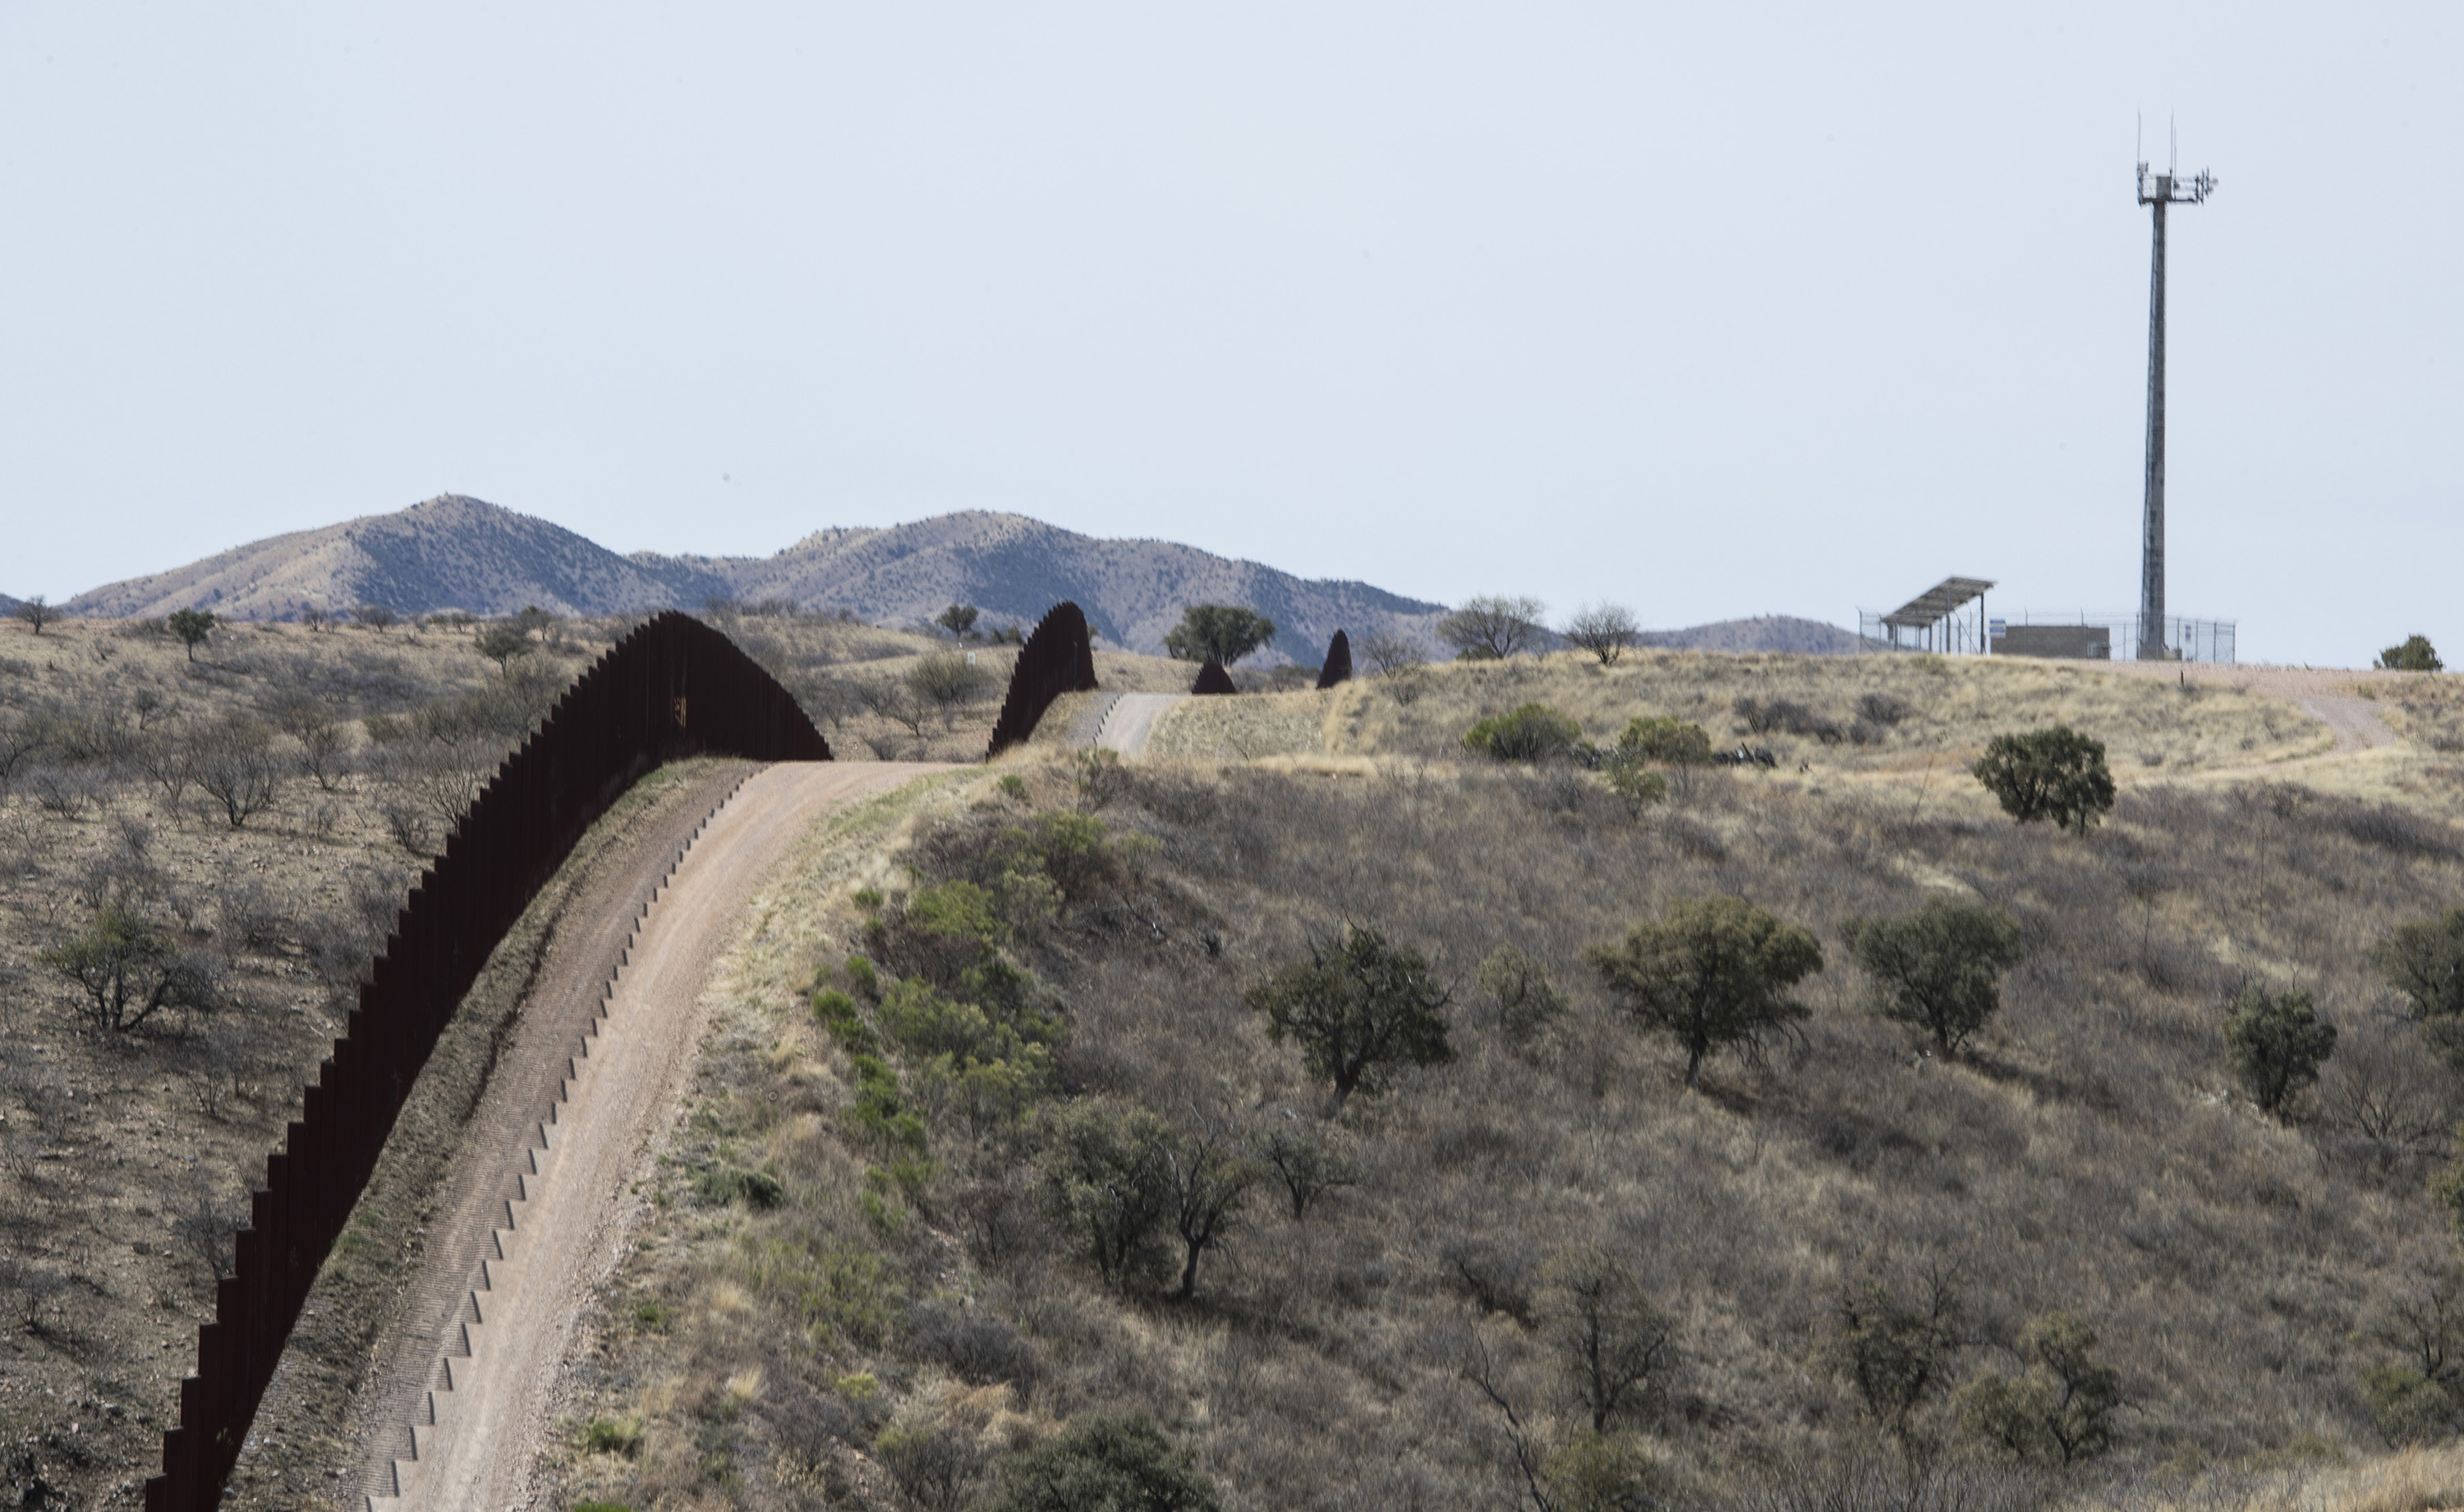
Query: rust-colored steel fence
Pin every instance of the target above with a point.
(673, 688)
(1338, 662)
(1058, 658)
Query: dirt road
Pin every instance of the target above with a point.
(1131, 720)
(2328, 695)
(479, 1431)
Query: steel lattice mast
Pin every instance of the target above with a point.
(2159, 190)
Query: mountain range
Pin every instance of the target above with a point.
(455, 552)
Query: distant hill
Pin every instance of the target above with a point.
(448, 553)
(460, 553)
(1769, 632)
(1014, 568)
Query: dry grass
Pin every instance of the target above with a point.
(2091, 1156)
(119, 1144)
(1952, 707)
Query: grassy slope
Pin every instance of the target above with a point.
(108, 1142)
(2091, 1156)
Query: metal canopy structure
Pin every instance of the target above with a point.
(1936, 620)
(1936, 603)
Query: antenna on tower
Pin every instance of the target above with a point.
(2159, 191)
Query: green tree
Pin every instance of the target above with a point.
(191, 626)
(1101, 1464)
(1617, 1345)
(1217, 632)
(2275, 1045)
(2414, 655)
(1711, 973)
(1937, 968)
(2055, 773)
(1109, 1187)
(2424, 961)
(2061, 1409)
(500, 643)
(1359, 1007)
(1528, 734)
(957, 619)
(1492, 628)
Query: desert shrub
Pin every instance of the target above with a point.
(1519, 993)
(2061, 1408)
(1492, 628)
(2275, 1045)
(1666, 740)
(878, 1113)
(948, 680)
(1937, 968)
(933, 1463)
(1359, 1008)
(1894, 1350)
(1101, 1464)
(1528, 734)
(1639, 786)
(233, 761)
(1308, 1165)
(1709, 972)
(1222, 633)
(1762, 717)
(127, 971)
(1885, 710)
(2414, 655)
(1108, 1187)
(755, 1188)
(2055, 773)
(975, 1347)
(612, 1436)
(1617, 1345)
(837, 1012)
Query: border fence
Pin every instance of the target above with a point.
(1058, 658)
(672, 687)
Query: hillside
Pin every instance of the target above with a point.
(461, 553)
(1015, 568)
(1768, 632)
(448, 553)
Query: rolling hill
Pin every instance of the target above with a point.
(454, 552)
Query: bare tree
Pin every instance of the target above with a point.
(1207, 1179)
(1493, 626)
(234, 764)
(36, 612)
(1386, 652)
(376, 617)
(1607, 630)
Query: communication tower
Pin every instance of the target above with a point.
(2159, 190)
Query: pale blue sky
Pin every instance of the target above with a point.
(1712, 309)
